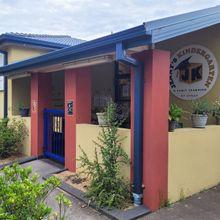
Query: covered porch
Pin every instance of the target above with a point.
(78, 88)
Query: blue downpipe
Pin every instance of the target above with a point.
(138, 120)
(138, 134)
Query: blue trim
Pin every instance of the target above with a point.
(121, 55)
(45, 130)
(54, 111)
(54, 156)
(35, 42)
(135, 36)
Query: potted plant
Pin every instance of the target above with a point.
(24, 110)
(175, 113)
(200, 110)
(101, 118)
(216, 111)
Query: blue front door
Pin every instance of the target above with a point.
(54, 136)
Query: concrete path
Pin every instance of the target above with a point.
(78, 210)
(203, 206)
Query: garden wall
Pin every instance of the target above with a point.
(87, 133)
(194, 161)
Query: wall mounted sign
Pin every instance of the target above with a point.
(69, 107)
(193, 72)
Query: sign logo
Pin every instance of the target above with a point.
(193, 72)
(69, 107)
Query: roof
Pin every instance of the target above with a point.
(46, 41)
(59, 39)
(167, 28)
(148, 33)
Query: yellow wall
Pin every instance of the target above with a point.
(18, 53)
(15, 54)
(209, 38)
(1, 104)
(86, 134)
(21, 93)
(194, 161)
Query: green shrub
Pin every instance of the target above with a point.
(200, 107)
(22, 196)
(107, 187)
(12, 134)
(175, 112)
(216, 109)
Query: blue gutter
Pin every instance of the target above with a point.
(5, 62)
(131, 38)
(138, 120)
(23, 40)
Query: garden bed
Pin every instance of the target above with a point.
(16, 158)
(11, 159)
(77, 185)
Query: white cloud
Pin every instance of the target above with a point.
(87, 19)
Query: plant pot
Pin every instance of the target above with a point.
(199, 121)
(24, 112)
(101, 118)
(217, 121)
(179, 125)
(172, 125)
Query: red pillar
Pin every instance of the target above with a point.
(77, 91)
(155, 126)
(40, 99)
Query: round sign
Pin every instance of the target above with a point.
(193, 72)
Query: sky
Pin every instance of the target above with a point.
(88, 19)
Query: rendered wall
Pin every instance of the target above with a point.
(20, 93)
(194, 163)
(87, 133)
(17, 53)
(209, 38)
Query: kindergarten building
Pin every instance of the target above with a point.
(66, 81)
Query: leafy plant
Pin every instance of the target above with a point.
(22, 196)
(12, 134)
(63, 203)
(201, 107)
(107, 187)
(175, 112)
(216, 109)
